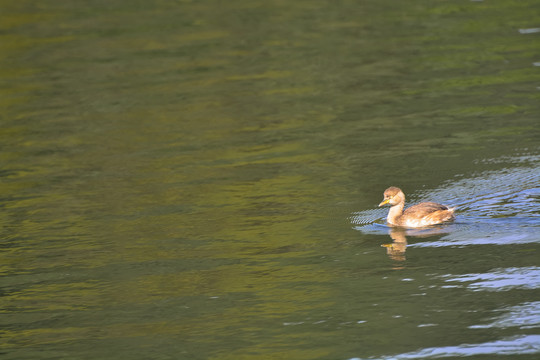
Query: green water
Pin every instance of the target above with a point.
(200, 180)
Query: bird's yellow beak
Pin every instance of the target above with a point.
(384, 202)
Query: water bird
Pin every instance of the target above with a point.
(419, 215)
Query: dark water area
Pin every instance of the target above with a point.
(200, 180)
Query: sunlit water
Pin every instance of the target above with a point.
(501, 208)
(200, 180)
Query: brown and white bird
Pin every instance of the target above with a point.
(419, 215)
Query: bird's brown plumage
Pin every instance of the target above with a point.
(420, 215)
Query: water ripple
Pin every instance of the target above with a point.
(528, 344)
(524, 316)
(499, 207)
(500, 279)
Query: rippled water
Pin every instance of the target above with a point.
(200, 180)
(499, 207)
(494, 208)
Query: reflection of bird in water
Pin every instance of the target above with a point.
(420, 215)
(396, 250)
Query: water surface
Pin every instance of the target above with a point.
(199, 180)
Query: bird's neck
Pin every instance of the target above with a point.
(395, 212)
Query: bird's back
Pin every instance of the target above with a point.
(425, 214)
